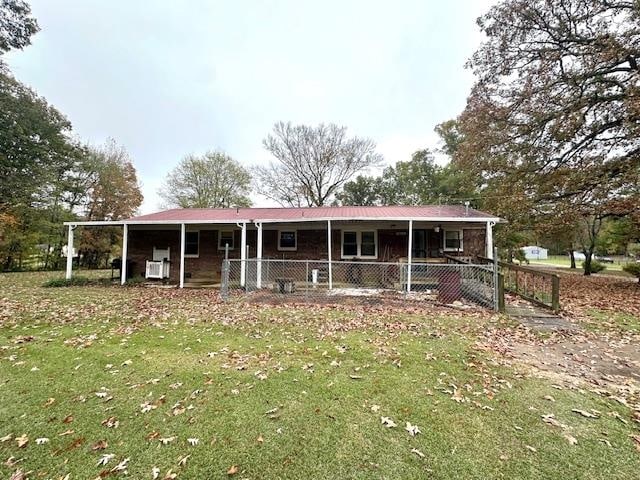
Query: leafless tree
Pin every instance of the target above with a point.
(312, 163)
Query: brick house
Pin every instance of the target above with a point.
(192, 243)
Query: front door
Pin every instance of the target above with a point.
(434, 243)
(419, 245)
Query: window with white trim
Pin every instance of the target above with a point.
(191, 244)
(225, 237)
(359, 244)
(287, 240)
(453, 240)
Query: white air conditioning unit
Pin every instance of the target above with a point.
(154, 269)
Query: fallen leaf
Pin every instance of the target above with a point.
(233, 469)
(584, 413)
(6, 438)
(167, 440)
(106, 458)
(49, 402)
(111, 422)
(183, 461)
(22, 441)
(417, 452)
(571, 439)
(529, 447)
(550, 419)
(193, 441)
(99, 445)
(155, 472)
(387, 422)
(260, 439)
(122, 466)
(17, 475)
(68, 419)
(412, 429)
(42, 441)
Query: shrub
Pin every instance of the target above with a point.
(596, 266)
(63, 282)
(633, 269)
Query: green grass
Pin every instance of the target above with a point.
(170, 347)
(562, 262)
(608, 321)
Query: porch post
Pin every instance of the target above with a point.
(125, 244)
(409, 252)
(489, 239)
(183, 238)
(69, 252)
(259, 256)
(329, 254)
(243, 253)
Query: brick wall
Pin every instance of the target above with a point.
(312, 245)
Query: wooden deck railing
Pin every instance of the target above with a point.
(536, 286)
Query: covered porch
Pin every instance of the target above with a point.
(191, 253)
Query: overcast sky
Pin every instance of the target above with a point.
(167, 78)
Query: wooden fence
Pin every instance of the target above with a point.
(536, 286)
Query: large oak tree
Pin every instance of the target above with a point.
(553, 121)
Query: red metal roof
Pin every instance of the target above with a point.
(427, 212)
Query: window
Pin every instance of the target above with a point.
(362, 244)
(225, 237)
(350, 244)
(452, 240)
(191, 244)
(287, 240)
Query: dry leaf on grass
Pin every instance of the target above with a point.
(417, 452)
(584, 413)
(387, 422)
(22, 440)
(233, 469)
(17, 475)
(412, 429)
(99, 445)
(106, 458)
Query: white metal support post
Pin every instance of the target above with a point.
(409, 256)
(183, 238)
(125, 244)
(259, 256)
(329, 254)
(243, 253)
(69, 252)
(489, 237)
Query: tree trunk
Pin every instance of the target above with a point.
(572, 257)
(588, 256)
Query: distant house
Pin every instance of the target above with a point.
(187, 244)
(532, 252)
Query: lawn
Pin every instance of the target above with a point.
(564, 263)
(99, 381)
